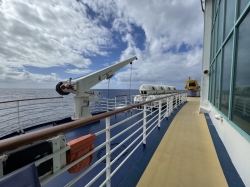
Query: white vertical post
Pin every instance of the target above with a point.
(176, 97)
(179, 99)
(1, 169)
(115, 102)
(144, 124)
(2, 159)
(126, 101)
(56, 145)
(167, 107)
(159, 116)
(108, 183)
(171, 104)
(107, 105)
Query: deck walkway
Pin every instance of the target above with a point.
(186, 155)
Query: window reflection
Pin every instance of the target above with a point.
(242, 5)
(213, 81)
(217, 80)
(230, 9)
(226, 76)
(215, 35)
(220, 24)
(241, 104)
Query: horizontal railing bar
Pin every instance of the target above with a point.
(151, 119)
(151, 130)
(119, 123)
(120, 144)
(96, 177)
(118, 167)
(38, 162)
(32, 104)
(40, 117)
(18, 141)
(120, 95)
(37, 112)
(118, 156)
(74, 163)
(29, 99)
(125, 130)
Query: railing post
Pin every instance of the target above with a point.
(144, 123)
(108, 170)
(125, 100)
(2, 159)
(107, 105)
(159, 116)
(171, 103)
(179, 99)
(167, 107)
(115, 102)
(19, 128)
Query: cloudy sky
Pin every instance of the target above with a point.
(44, 42)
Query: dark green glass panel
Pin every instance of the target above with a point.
(242, 5)
(241, 96)
(220, 24)
(213, 82)
(226, 76)
(217, 81)
(229, 19)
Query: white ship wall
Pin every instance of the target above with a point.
(237, 146)
(236, 142)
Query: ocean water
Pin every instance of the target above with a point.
(15, 94)
(34, 112)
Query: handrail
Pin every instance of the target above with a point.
(10, 101)
(120, 95)
(14, 142)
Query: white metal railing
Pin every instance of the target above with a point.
(163, 109)
(20, 114)
(108, 104)
(15, 116)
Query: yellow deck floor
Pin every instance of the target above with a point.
(186, 155)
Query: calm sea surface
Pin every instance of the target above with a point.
(14, 94)
(29, 113)
(34, 112)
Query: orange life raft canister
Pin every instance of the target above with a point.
(78, 148)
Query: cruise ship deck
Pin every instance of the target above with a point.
(190, 154)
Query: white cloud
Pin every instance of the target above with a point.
(78, 71)
(21, 78)
(46, 33)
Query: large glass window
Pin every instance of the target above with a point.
(213, 81)
(241, 104)
(226, 76)
(242, 5)
(230, 10)
(215, 35)
(220, 25)
(231, 67)
(217, 81)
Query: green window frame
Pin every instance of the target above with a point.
(219, 13)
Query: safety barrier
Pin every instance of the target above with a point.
(162, 108)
